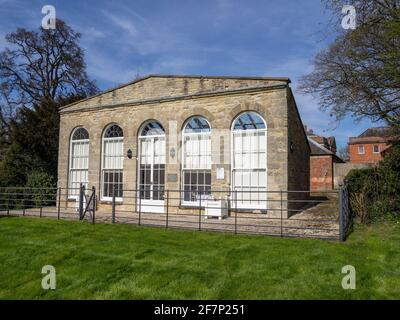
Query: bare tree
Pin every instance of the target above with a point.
(4, 132)
(43, 64)
(359, 73)
(343, 153)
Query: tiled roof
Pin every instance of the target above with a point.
(375, 135)
(316, 148)
(376, 132)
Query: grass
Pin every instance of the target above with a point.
(129, 262)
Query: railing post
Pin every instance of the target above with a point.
(200, 213)
(59, 203)
(229, 202)
(236, 212)
(341, 226)
(166, 222)
(40, 213)
(140, 205)
(281, 213)
(236, 209)
(81, 195)
(113, 206)
(94, 204)
(23, 202)
(8, 203)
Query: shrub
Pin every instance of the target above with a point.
(375, 192)
(41, 189)
(362, 186)
(359, 206)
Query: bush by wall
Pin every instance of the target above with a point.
(39, 191)
(41, 188)
(375, 192)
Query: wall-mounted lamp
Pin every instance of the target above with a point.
(129, 154)
(172, 152)
(291, 146)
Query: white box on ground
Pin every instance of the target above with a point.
(216, 208)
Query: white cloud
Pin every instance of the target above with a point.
(4, 2)
(139, 35)
(92, 33)
(221, 12)
(124, 23)
(104, 68)
(172, 65)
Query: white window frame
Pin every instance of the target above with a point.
(71, 193)
(150, 205)
(152, 138)
(373, 148)
(363, 149)
(103, 141)
(205, 168)
(240, 205)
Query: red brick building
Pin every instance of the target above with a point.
(369, 147)
(322, 159)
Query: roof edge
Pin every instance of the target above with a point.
(288, 88)
(193, 96)
(285, 79)
(320, 147)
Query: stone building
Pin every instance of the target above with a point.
(191, 135)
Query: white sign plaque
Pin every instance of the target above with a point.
(220, 174)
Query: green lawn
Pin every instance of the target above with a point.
(130, 262)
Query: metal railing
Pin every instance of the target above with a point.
(48, 202)
(305, 214)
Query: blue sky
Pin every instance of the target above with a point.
(124, 39)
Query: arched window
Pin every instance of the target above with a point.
(112, 162)
(152, 167)
(249, 160)
(79, 161)
(196, 159)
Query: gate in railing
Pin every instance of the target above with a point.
(345, 214)
(87, 203)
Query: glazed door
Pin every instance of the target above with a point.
(152, 174)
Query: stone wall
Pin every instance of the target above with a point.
(298, 157)
(340, 170)
(220, 112)
(162, 87)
